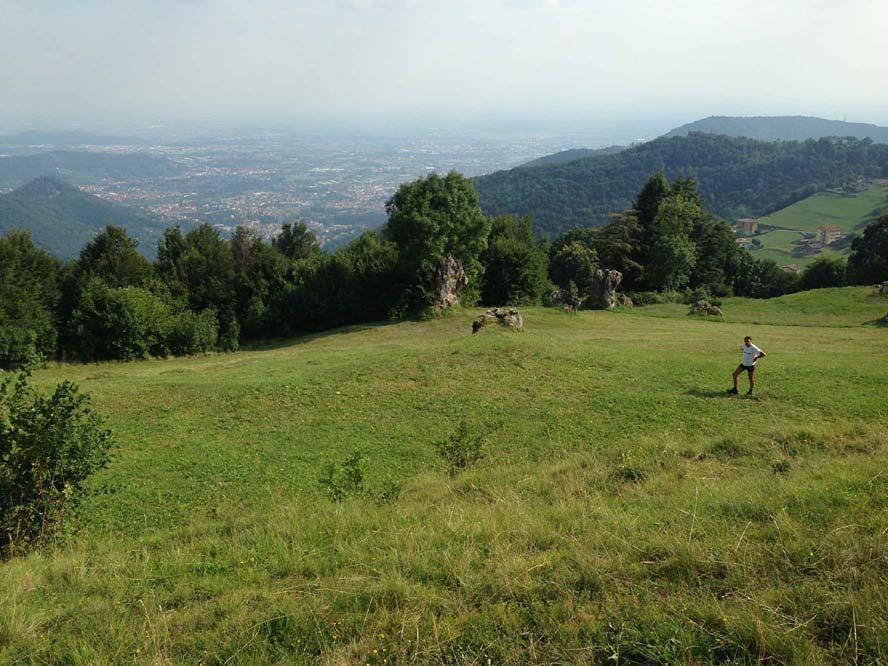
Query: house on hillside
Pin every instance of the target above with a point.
(746, 225)
(829, 234)
(743, 242)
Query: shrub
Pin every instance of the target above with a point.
(49, 446)
(18, 348)
(343, 478)
(121, 323)
(193, 332)
(461, 450)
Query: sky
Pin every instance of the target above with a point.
(97, 61)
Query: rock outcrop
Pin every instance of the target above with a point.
(450, 279)
(705, 309)
(508, 317)
(604, 289)
(883, 290)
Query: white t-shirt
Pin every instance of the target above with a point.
(749, 354)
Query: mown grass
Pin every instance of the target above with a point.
(625, 510)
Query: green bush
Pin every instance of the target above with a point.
(121, 323)
(18, 348)
(193, 332)
(49, 446)
(461, 450)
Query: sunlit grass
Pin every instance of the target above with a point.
(625, 508)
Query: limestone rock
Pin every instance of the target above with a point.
(705, 309)
(604, 289)
(450, 279)
(508, 317)
(883, 290)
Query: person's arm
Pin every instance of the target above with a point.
(761, 354)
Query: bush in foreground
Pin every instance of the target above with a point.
(49, 446)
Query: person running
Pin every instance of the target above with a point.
(751, 354)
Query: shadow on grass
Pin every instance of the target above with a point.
(709, 393)
(304, 338)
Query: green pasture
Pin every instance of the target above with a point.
(626, 509)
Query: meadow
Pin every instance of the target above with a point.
(626, 510)
(849, 211)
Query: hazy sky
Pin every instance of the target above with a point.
(143, 59)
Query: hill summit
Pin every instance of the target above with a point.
(782, 128)
(62, 219)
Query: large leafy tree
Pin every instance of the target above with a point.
(430, 219)
(868, 263)
(112, 257)
(296, 241)
(199, 268)
(29, 295)
(515, 264)
(673, 253)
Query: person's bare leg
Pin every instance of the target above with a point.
(735, 375)
(751, 379)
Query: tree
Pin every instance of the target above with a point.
(296, 241)
(619, 247)
(672, 251)
(198, 268)
(573, 263)
(515, 265)
(430, 219)
(29, 294)
(868, 263)
(825, 271)
(112, 256)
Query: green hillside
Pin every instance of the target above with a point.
(573, 154)
(61, 219)
(851, 212)
(737, 178)
(82, 167)
(626, 510)
(782, 128)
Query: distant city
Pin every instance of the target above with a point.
(337, 185)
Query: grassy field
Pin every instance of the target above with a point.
(626, 509)
(851, 212)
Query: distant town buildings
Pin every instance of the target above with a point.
(747, 225)
(829, 234)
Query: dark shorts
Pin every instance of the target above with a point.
(748, 368)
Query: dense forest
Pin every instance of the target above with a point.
(61, 218)
(782, 128)
(204, 292)
(737, 178)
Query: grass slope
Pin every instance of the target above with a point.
(626, 510)
(851, 212)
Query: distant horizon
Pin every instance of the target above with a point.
(377, 62)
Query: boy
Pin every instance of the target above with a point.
(751, 354)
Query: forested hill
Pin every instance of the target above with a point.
(738, 177)
(83, 166)
(61, 219)
(782, 128)
(573, 154)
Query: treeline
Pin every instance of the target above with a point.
(204, 292)
(737, 177)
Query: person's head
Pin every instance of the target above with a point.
(747, 341)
